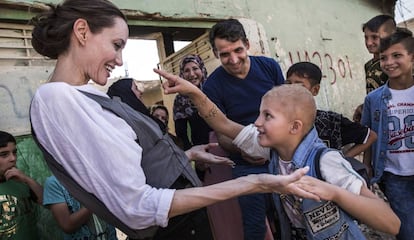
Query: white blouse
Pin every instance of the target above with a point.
(99, 151)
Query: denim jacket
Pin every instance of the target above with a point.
(323, 220)
(375, 116)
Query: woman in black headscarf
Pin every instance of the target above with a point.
(128, 92)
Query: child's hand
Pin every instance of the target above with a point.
(324, 190)
(16, 174)
(175, 84)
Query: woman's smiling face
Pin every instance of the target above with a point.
(104, 51)
(193, 73)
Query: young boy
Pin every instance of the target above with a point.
(377, 27)
(285, 125)
(389, 110)
(358, 113)
(76, 221)
(333, 128)
(18, 193)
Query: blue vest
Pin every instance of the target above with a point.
(375, 116)
(323, 220)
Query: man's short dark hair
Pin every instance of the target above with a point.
(6, 138)
(306, 70)
(231, 30)
(376, 22)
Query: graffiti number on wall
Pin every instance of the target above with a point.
(331, 68)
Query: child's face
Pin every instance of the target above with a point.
(161, 115)
(305, 82)
(272, 123)
(372, 41)
(7, 157)
(357, 114)
(396, 62)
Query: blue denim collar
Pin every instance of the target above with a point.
(386, 93)
(306, 147)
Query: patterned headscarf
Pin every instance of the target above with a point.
(197, 60)
(183, 107)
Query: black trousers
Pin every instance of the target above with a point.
(190, 226)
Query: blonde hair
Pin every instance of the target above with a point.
(296, 101)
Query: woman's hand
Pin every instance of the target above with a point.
(200, 153)
(288, 184)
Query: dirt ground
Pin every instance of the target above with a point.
(374, 235)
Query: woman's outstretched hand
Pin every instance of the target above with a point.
(289, 184)
(201, 154)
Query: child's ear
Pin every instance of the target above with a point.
(315, 89)
(296, 127)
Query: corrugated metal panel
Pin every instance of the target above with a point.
(22, 71)
(200, 46)
(16, 48)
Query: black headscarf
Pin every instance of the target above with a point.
(122, 89)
